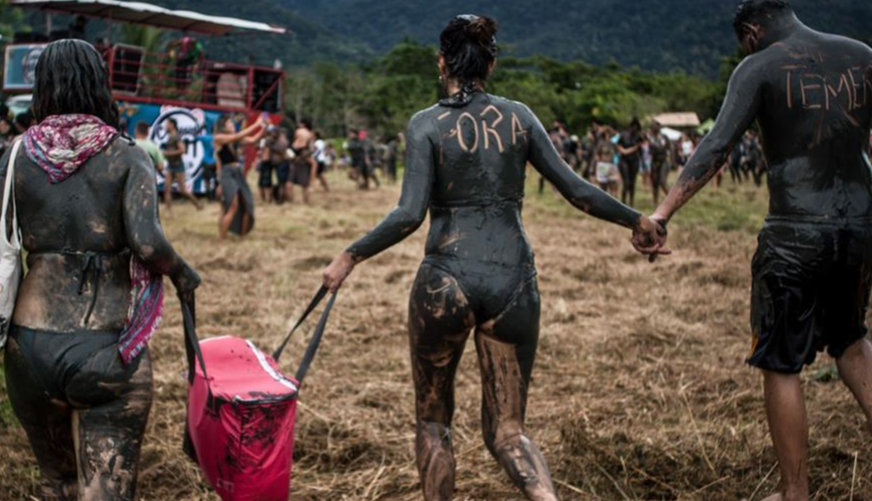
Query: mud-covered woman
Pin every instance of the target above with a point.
(466, 164)
(77, 365)
(238, 202)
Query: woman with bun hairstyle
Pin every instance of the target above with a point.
(466, 164)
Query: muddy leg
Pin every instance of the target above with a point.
(506, 352)
(785, 410)
(48, 425)
(109, 437)
(439, 323)
(855, 367)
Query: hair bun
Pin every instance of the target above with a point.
(483, 30)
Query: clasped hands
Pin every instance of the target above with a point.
(649, 237)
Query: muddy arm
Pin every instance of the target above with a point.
(145, 237)
(411, 210)
(580, 193)
(740, 109)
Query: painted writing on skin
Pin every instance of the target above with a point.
(813, 91)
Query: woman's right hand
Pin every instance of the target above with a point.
(336, 273)
(186, 282)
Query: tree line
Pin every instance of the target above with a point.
(383, 94)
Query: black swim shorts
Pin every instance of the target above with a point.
(811, 283)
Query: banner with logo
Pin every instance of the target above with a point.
(195, 129)
(19, 70)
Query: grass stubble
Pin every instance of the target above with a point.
(639, 393)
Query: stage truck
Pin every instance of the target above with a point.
(180, 82)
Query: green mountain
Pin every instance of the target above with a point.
(663, 35)
(658, 35)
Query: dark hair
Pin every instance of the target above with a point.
(751, 9)
(306, 123)
(469, 46)
(141, 128)
(71, 78)
(24, 120)
(174, 122)
(218, 127)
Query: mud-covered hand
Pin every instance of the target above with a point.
(336, 273)
(649, 238)
(186, 282)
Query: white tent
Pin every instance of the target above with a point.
(148, 14)
(671, 134)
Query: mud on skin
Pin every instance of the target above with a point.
(79, 235)
(466, 165)
(811, 95)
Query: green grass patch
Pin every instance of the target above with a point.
(726, 208)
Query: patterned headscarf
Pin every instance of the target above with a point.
(61, 144)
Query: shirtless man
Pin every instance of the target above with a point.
(811, 94)
(304, 169)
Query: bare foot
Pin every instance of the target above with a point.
(775, 497)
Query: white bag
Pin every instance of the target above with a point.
(10, 252)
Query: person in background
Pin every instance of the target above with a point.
(356, 155)
(322, 159)
(210, 168)
(661, 162)
(573, 152)
(752, 158)
(393, 154)
(265, 164)
(368, 161)
(303, 167)
(629, 144)
(147, 145)
(238, 202)
(283, 155)
(174, 153)
(607, 175)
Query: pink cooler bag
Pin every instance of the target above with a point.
(241, 410)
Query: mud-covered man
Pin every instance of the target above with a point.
(811, 95)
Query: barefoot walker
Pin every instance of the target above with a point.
(811, 94)
(77, 365)
(466, 163)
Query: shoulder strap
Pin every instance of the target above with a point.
(9, 196)
(312, 349)
(192, 343)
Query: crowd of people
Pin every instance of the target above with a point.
(615, 159)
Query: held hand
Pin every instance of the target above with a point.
(649, 238)
(336, 273)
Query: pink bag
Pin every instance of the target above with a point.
(241, 411)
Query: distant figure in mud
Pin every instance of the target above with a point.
(77, 365)
(811, 94)
(466, 161)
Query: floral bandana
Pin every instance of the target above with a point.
(61, 144)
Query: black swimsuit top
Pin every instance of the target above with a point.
(227, 154)
(92, 262)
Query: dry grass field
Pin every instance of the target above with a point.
(640, 390)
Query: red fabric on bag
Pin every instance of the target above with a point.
(244, 437)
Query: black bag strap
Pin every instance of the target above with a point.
(312, 349)
(192, 343)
